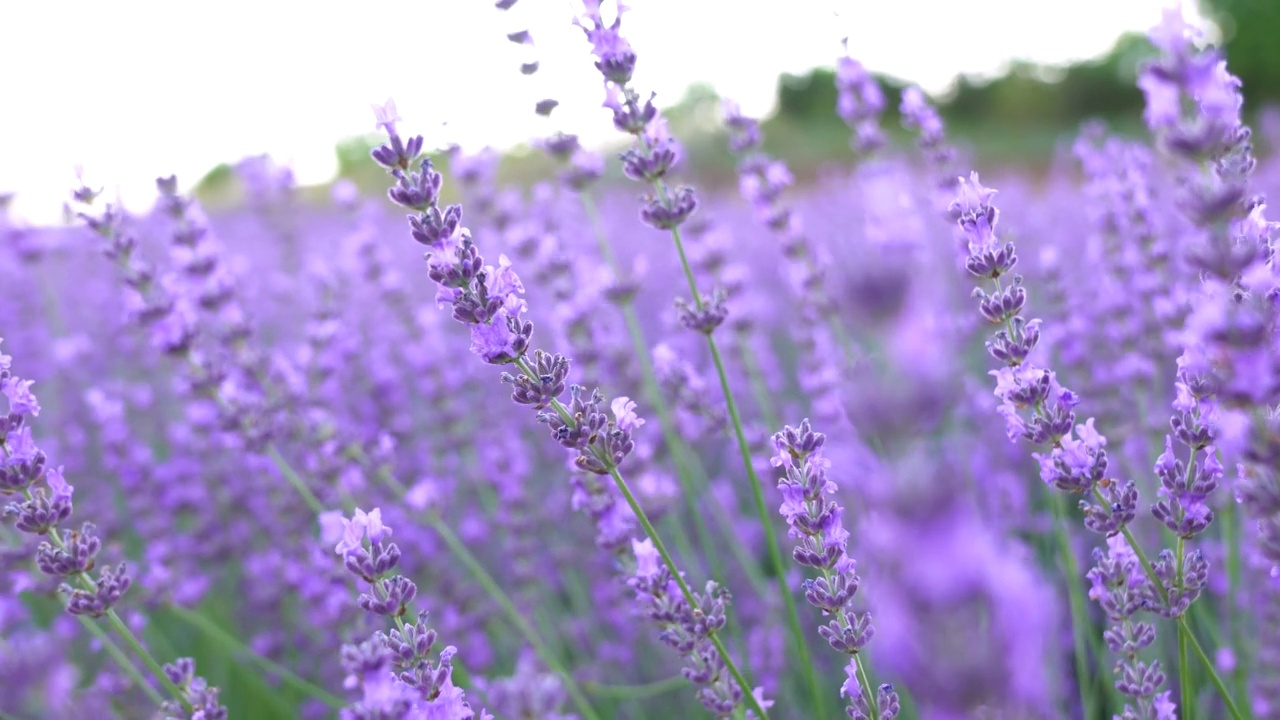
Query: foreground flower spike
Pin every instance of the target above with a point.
(393, 670)
(817, 525)
(202, 698)
(490, 302)
(649, 161)
(687, 628)
(1039, 410)
(44, 501)
(1230, 373)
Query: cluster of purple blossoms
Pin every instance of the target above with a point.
(817, 523)
(687, 628)
(70, 556)
(655, 151)
(44, 502)
(1037, 409)
(1193, 106)
(489, 301)
(393, 670)
(1119, 584)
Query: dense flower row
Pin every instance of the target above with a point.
(252, 399)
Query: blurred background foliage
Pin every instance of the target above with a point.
(1019, 117)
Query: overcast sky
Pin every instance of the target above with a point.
(134, 89)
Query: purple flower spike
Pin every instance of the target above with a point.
(393, 670)
(816, 523)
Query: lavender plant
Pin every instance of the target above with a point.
(243, 376)
(488, 300)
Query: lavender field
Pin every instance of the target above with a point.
(917, 439)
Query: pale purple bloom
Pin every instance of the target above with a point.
(624, 409)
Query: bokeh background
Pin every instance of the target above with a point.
(132, 91)
(135, 89)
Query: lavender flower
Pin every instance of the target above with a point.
(486, 299)
(70, 555)
(393, 670)
(1193, 107)
(1077, 462)
(817, 524)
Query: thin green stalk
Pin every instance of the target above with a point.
(295, 480)
(133, 642)
(486, 581)
(689, 467)
(636, 692)
(1213, 675)
(755, 377)
(1184, 667)
(684, 471)
(661, 547)
(766, 520)
(121, 659)
(1079, 614)
(1231, 542)
(287, 676)
(870, 691)
(522, 624)
(689, 470)
(757, 494)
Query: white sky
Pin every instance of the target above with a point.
(134, 89)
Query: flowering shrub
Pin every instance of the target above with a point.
(892, 445)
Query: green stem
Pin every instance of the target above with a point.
(1213, 674)
(870, 691)
(1079, 614)
(771, 538)
(486, 581)
(526, 629)
(1182, 621)
(1231, 541)
(136, 645)
(757, 494)
(636, 692)
(295, 480)
(755, 377)
(287, 676)
(1184, 667)
(689, 471)
(121, 659)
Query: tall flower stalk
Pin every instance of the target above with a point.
(1039, 410)
(582, 169)
(654, 154)
(394, 670)
(818, 527)
(1193, 106)
(489, 301)
(71, 555)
